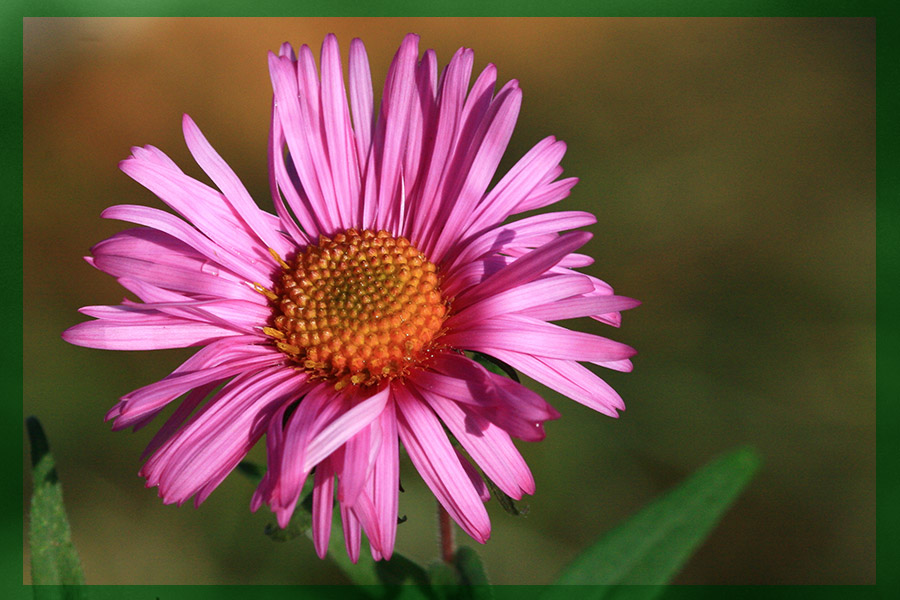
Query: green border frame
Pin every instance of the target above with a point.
(888, 256)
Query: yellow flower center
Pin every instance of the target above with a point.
(359, 308)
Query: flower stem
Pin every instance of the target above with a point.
(445, 527)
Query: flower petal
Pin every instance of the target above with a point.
(544, 291)
(433, 456)
(531, 336)
(584, 306)
(337, 432)
(338, 133)
(361, 102)
(323, 502)
(487, 444)
(233, 190)
(568, 378)
(215, 440)
(151, 333)
(524, 269)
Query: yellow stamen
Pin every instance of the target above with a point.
(272, 332)
(357, 308)
(265, 291)
(283, 264)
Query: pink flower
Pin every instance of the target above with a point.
(338, 324)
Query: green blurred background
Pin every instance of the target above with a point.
(731, 163)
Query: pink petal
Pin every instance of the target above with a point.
(531, 230)
(526, 335)
(298, 132)
(488, 445)
(435, 460)
(153, 397)
(572, 308)
(552, 290)
(251, 270)
(352, 533)
(568, 378)
(154, 333)
(480, 164)
(361, 101)
(269, 489)
(318, 406)
(386, 481)
(212, 443)
(356, 466)
(524, 177)
(280, 182)
(451, 97)
(510, 406)
(234, 192)
(162, 260)
(340, 430)
(338, 132)
(240, 315)
(524, 269)
(208, 210)
(473, 274)
(399, 89)
(323, 502)
(547, 194)
(474, 476)
(174, 422)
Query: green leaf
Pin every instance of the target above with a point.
(301, 520)
(471, 570)
(368, 572)
(651, 547)
(54, 561)
(465, 579)
(400, 570)
(299, 524)
(250, 470)
(361, 573)
(442, 574)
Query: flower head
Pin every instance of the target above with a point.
(337, 327)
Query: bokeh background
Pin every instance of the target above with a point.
(731, 163)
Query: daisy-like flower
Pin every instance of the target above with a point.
(337, 327)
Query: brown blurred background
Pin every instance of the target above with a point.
(731, 163)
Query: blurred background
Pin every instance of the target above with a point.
(731, 163)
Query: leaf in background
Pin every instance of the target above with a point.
(444, 576)
(250, 470)
(366, 572)
(465, 579)
(54, 561)
(400, 570)
(471, 570)
(649, 548)
(296, 528)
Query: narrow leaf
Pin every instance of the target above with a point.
(54, 561)
(506, 503)
(651, 547)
